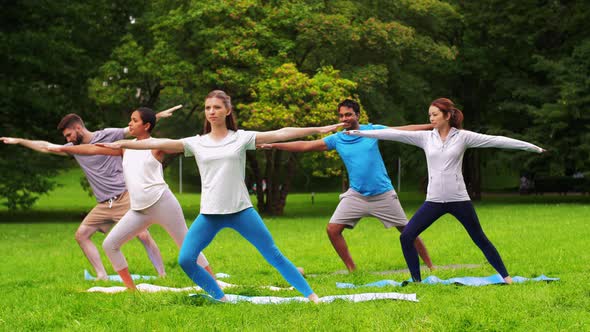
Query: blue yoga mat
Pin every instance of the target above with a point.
(467, 281)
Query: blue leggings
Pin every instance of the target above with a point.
(249, 224)
(427, 214)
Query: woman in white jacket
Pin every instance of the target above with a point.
(445, 146)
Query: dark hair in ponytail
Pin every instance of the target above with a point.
(447, 106)
(147, 115)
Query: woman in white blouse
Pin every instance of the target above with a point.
(444, 147)
(221, 157)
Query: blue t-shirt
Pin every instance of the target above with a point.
(362, 158)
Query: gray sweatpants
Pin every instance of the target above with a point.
(166, 212)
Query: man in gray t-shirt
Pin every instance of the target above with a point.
(105, 176)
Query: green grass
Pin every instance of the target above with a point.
(43, 288)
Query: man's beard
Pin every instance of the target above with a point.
(79, 139)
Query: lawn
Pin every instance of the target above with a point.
(43, 286)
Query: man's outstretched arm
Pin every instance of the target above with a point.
(297, 146)
(39, 146)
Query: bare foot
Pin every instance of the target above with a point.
(508, 280)
(301, 270)
(102, 277)
(314, 298)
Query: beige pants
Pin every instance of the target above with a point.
(166, 212)
(353, 206)
(108, 212)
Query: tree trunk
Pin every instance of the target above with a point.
(284, 189)
(472, 174)
(253, 162)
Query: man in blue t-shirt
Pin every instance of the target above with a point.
(371, 192)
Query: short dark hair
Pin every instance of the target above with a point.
(147, 115)
(350, 104)
(69, 121)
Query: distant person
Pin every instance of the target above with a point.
(105, 176)
(152, 202)
(525, 185)
(444, 147)
(221, 157)
(371, 192)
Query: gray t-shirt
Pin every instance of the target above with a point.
(104, 173)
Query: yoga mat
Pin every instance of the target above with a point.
(116, 277)
(325, 299)
(149, 288)
(466, 281)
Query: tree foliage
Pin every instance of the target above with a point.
(49, 50)
(290, 98)
(512, 66)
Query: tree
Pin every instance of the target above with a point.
(497, 79)
(49, 50)
(290, 98)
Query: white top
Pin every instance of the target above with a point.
(222, 165)
(144, 178)
(445, 159)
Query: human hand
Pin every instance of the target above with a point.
(9, 140)
(352, 132)
(168, 113)
(266, 146)
(330, 128)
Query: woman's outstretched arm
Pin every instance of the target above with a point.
(475, 140)
(170, 145)
(288, 133)
(416, 138)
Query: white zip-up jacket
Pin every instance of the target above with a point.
(445, 159)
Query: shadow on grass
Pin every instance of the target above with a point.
(323, 207)
(41, 216)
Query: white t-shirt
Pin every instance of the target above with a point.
(222, 165)
(144, 177)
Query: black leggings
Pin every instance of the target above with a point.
(427, 214)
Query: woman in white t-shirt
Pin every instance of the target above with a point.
(444, 147)
(152, 202)
(221, 157)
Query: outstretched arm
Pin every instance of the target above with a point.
(287, 133)
(298, 146)
(416, 138)
(415, 127)
(39, 146)
(170, 145)
(86, 149)
(475, 140)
